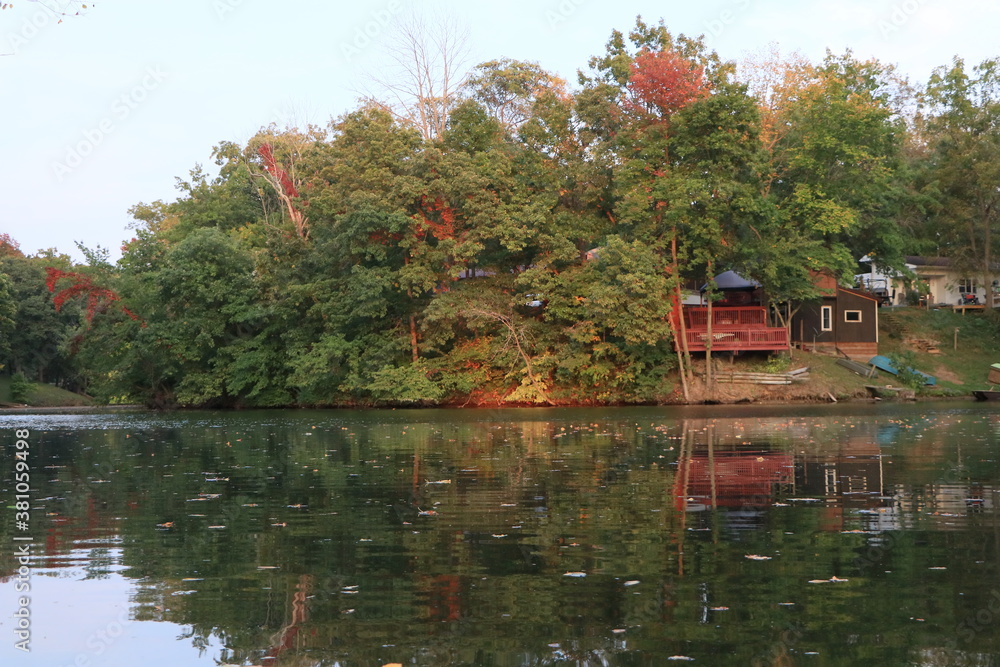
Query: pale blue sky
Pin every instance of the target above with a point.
(104, 110)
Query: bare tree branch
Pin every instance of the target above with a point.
(425, 70)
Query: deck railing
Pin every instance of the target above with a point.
(733, 329)
(696, 317)
(723, 340)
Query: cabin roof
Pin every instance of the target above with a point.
(857, 292)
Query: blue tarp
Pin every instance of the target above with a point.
(883, 364)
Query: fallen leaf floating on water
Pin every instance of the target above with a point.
(831, 580)
(756, 557)
(632, 582)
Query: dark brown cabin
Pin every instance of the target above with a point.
(843, 322)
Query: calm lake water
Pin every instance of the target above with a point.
(826, 535)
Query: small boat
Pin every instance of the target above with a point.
(986, 395)
(890, 393)
(864, 370)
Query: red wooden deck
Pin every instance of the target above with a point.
(733, 479)
(733, 329)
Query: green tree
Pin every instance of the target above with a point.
(961, 174)
(834, 182)
(37, 343)
(509, 89)
(684, 142)
(837, 167)
(8, 311)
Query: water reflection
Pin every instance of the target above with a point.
(620, 537)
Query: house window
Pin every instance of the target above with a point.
(826, 317)
(966, 286)
(852, 315)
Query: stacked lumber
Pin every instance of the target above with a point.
(928, 345)
(736, 377)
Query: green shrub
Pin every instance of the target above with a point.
(19, 388)
(903, 361)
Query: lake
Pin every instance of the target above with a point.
(862, 534)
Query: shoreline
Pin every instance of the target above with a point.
(721, 402)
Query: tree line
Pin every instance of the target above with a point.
(518, 239)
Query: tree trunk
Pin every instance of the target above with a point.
(676, 330)
(680, 298)
(413, 337)
(987, 261)
(709, 375)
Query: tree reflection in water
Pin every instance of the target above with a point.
(620, 537)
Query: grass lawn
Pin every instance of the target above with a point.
(964, 358)
(44, 395)
(47, 396)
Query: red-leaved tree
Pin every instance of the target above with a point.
(9, 247)
(82, 286)
(663, 82)
(437, 217)
(284, 185)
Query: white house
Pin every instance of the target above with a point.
(934, 276)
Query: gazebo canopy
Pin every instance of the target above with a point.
(730, 280)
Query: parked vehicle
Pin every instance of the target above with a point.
(877, 287)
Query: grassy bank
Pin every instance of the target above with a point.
(965, 344)
(42, 395)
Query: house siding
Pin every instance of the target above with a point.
(856, 332)
(858, 340)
